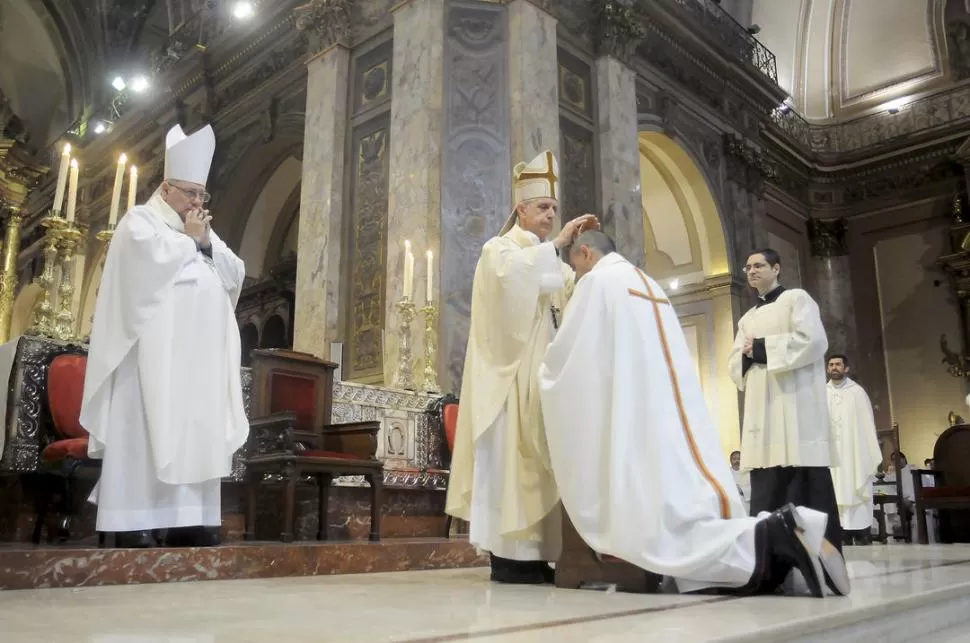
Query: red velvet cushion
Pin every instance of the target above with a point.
(65, 388)
(295, 393)
(76, 448)
(330, 454)
(450, 415)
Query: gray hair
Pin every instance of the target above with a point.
(595, 240)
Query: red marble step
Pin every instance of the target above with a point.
(29, 567)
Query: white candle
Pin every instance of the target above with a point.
(116, 193)
(132, 187)
(62, 177)
(430, 272)
(72, 192)
(408, 271)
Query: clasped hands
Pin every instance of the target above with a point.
(197, 226)
(574, 228)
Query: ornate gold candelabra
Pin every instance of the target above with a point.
(43, 324)
(64, 326)
(405, 379)
(430, 312)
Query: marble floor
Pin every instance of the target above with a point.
(900, 593)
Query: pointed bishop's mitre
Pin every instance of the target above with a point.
(537, 179)
(188, 158)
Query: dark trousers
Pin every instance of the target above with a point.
(811, 487)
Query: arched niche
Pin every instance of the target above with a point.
(273, 334)
(248, 340)
(270, 216)
(686, 251)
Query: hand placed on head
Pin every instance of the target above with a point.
(197, 226)
(573, 228)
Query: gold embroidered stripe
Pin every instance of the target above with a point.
(695, 452)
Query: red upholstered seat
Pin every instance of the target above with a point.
(76, 448)
(450, 417)
(65, 388)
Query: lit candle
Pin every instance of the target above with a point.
(430, 272)
(408, 271)
(132, 187)
(72, 192)
(116, 193)
(62, 177)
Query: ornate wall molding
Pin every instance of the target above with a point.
(325, 23)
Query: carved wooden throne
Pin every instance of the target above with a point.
(291, 437)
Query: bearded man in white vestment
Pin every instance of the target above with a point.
(778, 361)
(501, 481)
(854, 429)
(636, 455)
(162, 392)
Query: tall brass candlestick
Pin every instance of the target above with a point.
(43, 324)
(430, 312)
(64, 326)
(404, 378)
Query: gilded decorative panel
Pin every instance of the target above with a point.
(372, 78)
(367, 243)
(575, 85)
(476, 181)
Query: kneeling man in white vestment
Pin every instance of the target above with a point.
(501, 481)
(162, 393)
(854, 431)
(636, 456)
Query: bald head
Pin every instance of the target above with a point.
(588, 248)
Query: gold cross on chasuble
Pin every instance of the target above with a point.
(548, 175)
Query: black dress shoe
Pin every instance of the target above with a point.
(779, 548)
(192, 537)
(517, 572)
(134, 540)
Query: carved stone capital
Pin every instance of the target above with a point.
(828, 237)
(325, 23)
(619, 28)
(747, 165)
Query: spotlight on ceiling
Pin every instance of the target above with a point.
(894, 106)
(100, 128)
(674, 284)
(139, 84)
(118, 83)
(243, 10)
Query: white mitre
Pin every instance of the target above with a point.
(188, 158)
(539, 179)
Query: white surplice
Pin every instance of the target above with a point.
(637, 457)
(501, 480)
(786, 420)
(162, 392)
(854, 431)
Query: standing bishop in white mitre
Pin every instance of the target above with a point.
(501, 480)
(636, 454)
(854, 430)
(162, 393)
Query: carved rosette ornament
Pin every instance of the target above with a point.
(619, 28)
(325, 22)
(828, 237)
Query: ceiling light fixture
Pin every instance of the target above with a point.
(243, 10)
(100, 128)
(139, 84)
(119, 83)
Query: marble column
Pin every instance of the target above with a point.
(316, 319)
(414, 191)
(619, 157)
(830, 261)
(533, 82)
(8, 278)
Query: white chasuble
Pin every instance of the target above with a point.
(636, 454)
(162, 392)
(854, 430)
(786, 420)
(501, 480)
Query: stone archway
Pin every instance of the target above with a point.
(686, 251)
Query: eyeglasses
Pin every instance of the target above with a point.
(193, 194)
(753, 266)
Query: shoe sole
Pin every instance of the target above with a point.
(816, 582)
(836, 572)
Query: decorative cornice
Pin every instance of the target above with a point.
(325, 23)
(619, 28)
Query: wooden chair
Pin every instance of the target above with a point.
(889, 440)
(66, 456)
(579, 566)
(443, 414)
(950, 494)
(291, 436)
